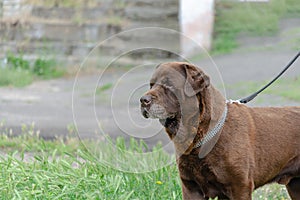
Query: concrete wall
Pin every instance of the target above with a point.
(71, 33)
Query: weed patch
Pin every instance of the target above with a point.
(253, 18)
(20, 72)
(104, 88)
(17, 78)
(46, 69)
(286, 88)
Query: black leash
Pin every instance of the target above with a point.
(252, 96)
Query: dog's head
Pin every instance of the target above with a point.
(170, 85)
(174, 93)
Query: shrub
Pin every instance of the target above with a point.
(46, 68)
(17, 62)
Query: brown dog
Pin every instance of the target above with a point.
(224, 150)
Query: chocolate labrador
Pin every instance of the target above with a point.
(224, 149)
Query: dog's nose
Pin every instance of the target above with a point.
(145, 100)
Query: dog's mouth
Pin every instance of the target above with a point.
(169, 122)
(145, 113)
(172, 124)
(156, 111)
(160, 116)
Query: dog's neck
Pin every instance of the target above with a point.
(211, 107)
(212, 104)
(212, 119)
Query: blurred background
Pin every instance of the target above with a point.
(69, 30)
(45, 44)
(72, 68)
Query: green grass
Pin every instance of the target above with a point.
(290, 39)
(19, 72)
(104, 88)
(58, 178)
(233, 18)
(286, 88)
(32, 168)
(17, 78)
(29, 141)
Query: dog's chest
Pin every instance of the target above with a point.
(200, 173)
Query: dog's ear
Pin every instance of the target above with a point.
(196, 80)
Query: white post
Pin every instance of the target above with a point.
(196, 22)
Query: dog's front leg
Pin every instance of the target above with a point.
(294, 188)
(242, 192)
(244, 196)
(190, 190)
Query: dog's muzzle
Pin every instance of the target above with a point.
(145, 105)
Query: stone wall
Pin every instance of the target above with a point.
(69, 34)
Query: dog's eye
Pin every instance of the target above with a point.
(151, 85)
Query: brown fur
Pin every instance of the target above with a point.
(256, 145)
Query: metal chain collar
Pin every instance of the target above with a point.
(214, 131)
